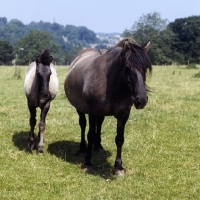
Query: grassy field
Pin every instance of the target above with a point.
(161, 152)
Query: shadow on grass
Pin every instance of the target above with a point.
(20, 141)
(66, 150)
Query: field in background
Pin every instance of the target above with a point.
(161, 152)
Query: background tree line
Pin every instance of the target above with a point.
(175, 42)
(27, 41)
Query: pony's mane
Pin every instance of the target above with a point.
(135, 56)
(45, 57)
(122, 42)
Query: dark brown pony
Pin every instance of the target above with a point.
(41, 87)
(107, 83)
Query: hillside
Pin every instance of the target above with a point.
(65, 36)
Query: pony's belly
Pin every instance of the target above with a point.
(78, 103)
(91, 108)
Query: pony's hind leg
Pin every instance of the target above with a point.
(42, 125)
(82, 123)
(97, 140)
(32, 122)
(88, 166)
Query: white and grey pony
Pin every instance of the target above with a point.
(41, 87)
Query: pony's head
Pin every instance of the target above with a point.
(43, 73)
(135, 63)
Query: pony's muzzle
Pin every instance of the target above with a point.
(140, 102)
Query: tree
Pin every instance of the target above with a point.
(152, 27)
(86, 35)
(31, 45)
(6, 53)
(3, 21)
(186, 44)
(69, 55)
(55, 29)
(65, 36)
(14, 30)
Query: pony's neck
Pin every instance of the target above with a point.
(114, 77)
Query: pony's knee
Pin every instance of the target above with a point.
(42, 126)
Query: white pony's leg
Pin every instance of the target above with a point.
(32, 122)
(42, 125)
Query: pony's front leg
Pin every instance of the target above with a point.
(82, 124)
(42, 125)
(88, 166)
(119, 140)
(32, 122)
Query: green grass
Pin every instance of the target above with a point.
(161, 152)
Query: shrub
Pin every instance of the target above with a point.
(191, 66)
(197, 75)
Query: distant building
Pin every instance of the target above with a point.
(107, 39)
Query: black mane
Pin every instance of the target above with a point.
(135, 56)
(45, 57)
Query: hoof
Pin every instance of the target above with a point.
(31, 144)
(119, 172)
(40, 151)
(87, 169)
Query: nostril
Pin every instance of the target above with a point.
(141, 100)
(138, 99)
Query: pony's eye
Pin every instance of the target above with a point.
(128, 79)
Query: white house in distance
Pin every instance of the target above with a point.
(110, 39)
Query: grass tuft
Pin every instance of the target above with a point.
(17, 72)
(197, 75)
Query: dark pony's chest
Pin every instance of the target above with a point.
(116, 103)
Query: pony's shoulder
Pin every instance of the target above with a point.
(31, 66)
(53, 68)
(52, 65)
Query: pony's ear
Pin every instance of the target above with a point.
(50, 58)
(38, 60)
(146, 46)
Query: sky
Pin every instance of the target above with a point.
(105, 16)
